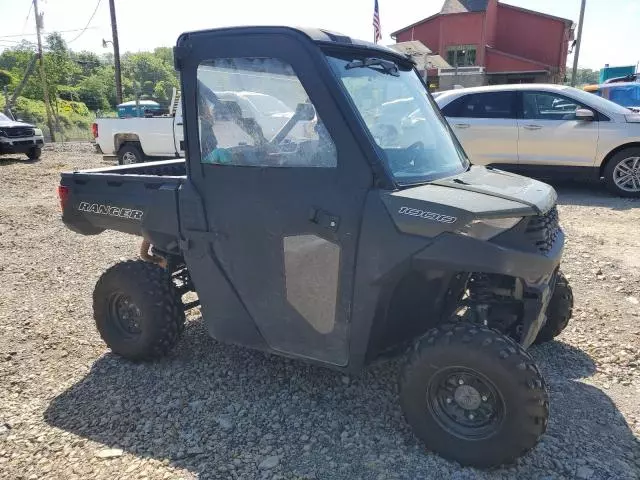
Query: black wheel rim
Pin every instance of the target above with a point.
(125, 315)
(465, 403)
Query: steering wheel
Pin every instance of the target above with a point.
(410, 159)
(384, 134)
(414, 156)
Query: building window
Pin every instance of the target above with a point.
(461, 56)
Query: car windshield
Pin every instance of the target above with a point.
(413, 138)
(4, 118)
(596, 102)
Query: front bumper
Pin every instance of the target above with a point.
(536, 270)
(20, 145)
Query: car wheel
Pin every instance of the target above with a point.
(622, 173)
(35, 153)
(473, 395)
(130, 154)
(559, 311)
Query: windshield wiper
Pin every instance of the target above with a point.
(387, 66)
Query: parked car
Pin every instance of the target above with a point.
(20, 137)
(136, 139)
(548, 131)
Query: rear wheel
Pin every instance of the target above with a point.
(473, 395)
(35, 153)
(137, 310)
(622, 173)
(130, 154)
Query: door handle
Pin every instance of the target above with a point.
(179, 124)
(533, 127)
(461, 125)
(324, 219)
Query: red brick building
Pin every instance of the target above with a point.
(510, 44)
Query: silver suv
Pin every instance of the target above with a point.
(548, 131)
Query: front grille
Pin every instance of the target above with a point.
(543, 230)
(17, 132)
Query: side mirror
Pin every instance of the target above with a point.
(584, 114)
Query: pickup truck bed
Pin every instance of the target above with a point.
(138, 199)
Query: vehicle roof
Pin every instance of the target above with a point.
(318, 35)
(549, 87)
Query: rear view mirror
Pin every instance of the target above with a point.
(584, 114)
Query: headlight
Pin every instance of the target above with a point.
(2, 133)
(37, 132)
(488, 228)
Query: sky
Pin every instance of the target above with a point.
(610, 27)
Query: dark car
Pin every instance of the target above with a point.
(20, 137)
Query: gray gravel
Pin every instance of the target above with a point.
(70, 409)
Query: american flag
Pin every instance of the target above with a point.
(377, 33)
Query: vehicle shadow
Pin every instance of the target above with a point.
(12, 160)
(591, 194)
(209, 407)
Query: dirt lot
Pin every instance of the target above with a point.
(69, 409)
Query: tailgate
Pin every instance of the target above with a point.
(136, 204)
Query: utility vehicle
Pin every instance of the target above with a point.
(342, 246)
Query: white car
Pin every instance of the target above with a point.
(549, 131)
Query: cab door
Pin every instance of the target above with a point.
(282, 214)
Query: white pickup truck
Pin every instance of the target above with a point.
(138, 139)
(135, 140)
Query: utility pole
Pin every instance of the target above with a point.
(578, 41)
(43, 74)
(6, 100)
(116, 51)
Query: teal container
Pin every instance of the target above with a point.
(612, 72)
(129, 109)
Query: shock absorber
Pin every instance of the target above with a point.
(481, 296)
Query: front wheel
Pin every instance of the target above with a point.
(473, 395)
(137, 310)
(622, 173)
(35, 153)
(559, 310)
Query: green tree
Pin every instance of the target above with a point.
(6, 79)
(151, 70)
(88, 62)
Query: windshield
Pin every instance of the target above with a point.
(596, 102)
(412, 136)
(4, 118)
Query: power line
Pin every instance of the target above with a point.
(27, 19)
(54, 31)
(87, 25)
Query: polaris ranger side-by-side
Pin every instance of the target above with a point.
(344, 236)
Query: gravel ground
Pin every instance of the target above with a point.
(70, 409)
